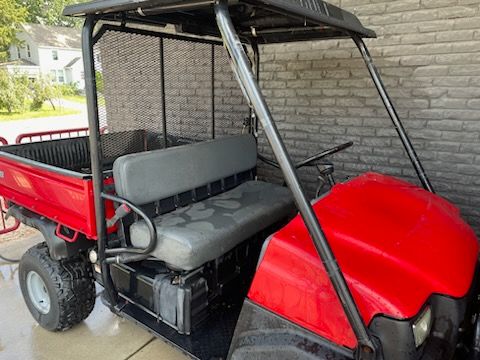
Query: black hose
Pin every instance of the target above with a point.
(151, 229)
(8, 260)
(126, 258)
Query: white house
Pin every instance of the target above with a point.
(49, 50)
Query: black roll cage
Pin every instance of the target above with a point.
(242, 66)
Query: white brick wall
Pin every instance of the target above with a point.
(429, 55)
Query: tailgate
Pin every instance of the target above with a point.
(63, 196)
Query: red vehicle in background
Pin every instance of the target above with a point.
(166, 210)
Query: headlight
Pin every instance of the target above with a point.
(422, 326)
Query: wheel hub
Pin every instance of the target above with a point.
(38, 293)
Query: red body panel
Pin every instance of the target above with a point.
(395, 243)
(109, 205)
(64, 199)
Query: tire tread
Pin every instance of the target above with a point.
(74, 284)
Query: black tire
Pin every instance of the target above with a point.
(69, 284)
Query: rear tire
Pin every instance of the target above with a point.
(59, 294)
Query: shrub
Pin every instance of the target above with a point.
(44, 90)
(69, 89)
(14, 91)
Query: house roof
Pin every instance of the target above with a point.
(19, 62)
(53, 36)
(262, 21)
(71, 63)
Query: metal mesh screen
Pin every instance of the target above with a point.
(231, 107)
(159, 90)
(188, 89)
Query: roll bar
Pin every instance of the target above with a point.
(96, 155)
(241, 66)
(393, 113)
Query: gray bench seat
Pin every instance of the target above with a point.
(203, 231)
(209, 226)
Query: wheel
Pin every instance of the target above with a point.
(59, 294)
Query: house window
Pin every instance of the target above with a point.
(60, 76)
(29, 54)
(55, 54)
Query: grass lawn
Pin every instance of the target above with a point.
(45, 111)
(76, 98)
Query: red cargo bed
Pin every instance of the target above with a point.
(61, 195)
(53, 178)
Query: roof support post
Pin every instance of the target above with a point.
(393, 113)
(256, 57)
(96, 153)
(366, 347)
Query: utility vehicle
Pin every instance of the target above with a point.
(163, 206)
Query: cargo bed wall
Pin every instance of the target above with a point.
(60, 195)
(74, 154)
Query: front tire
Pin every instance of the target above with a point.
(59, 294)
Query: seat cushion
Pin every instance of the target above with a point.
(191, 236)
(155, 175)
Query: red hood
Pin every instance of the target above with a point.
(396, 245)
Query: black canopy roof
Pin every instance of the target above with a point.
(262, 21)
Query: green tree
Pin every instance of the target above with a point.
(49, 12)
(14, 92)
(11, 15)
(44, 90)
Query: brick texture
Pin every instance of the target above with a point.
(320, 94)
(429, 55)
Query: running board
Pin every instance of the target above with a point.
(209, 340)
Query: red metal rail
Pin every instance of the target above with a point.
(4, 227)
(51, 135)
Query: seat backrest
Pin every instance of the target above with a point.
(155, 175)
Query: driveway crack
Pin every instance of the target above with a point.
(140, 348)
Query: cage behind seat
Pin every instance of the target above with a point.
(200, 232)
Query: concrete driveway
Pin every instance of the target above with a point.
(102, 336)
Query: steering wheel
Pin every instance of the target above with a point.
(312, 160)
